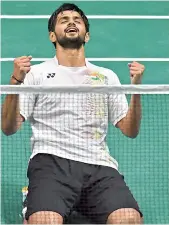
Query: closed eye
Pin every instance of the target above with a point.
(77, 21)
(64, 21)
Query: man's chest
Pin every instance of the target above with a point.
(88, 103)
(72, 105)
(62, 77)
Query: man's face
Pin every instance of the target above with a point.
(70, 30)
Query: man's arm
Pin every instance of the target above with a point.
(11, 119)
(130, 124)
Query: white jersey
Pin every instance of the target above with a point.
(72, 125)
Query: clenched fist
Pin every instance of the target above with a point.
(22, 66)
(136, 72)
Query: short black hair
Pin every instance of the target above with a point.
(64, 7)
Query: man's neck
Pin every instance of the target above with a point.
(71, 57)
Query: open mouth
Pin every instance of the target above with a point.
(71, 30)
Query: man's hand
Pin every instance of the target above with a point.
(10, 116)
(136, 72)
(130, 124)
(22, 66)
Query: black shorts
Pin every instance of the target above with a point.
(61, 185)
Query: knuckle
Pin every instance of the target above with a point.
(21, 68)
(16, 61)
(20, 65)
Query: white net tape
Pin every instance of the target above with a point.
(126, 89)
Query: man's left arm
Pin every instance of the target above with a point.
(130, 124)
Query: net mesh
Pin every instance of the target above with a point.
(144, 160)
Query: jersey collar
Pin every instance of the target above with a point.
(86, 61)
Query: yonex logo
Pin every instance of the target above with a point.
(51, 75)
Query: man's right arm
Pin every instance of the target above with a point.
(11, 120)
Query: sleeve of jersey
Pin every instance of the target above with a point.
(27, 100)
(118, 105)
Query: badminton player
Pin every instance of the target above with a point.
(70, 164)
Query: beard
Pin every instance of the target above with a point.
(71, 42)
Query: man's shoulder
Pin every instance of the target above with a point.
(45, 65)
(39, 72)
